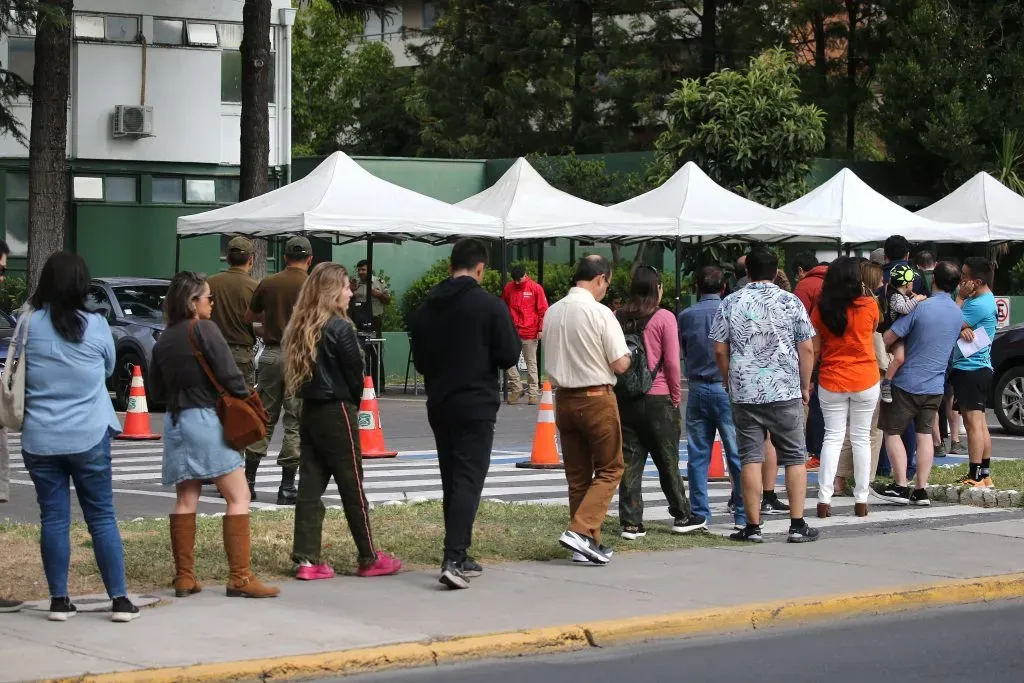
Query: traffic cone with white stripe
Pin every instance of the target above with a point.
(716, 471)
(371, 434)
(136, 420)
(545, 451)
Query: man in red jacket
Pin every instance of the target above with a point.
(528, 304)
(810, 277)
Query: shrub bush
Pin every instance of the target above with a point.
(13, 293)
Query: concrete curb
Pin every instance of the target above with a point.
(581, 636)
(976, 497)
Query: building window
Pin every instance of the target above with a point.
(16, 227)
(168, 31)
(21, 56)
(200, 191)
(121, 189)
(17, 185)
(167, 190)
(87, 187)
(202, 35)
(431, 12)
(227, 190)
(231, 65)
(89, 27)
(379, 25)
(116, 28)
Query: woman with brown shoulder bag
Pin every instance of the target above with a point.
(192, 367)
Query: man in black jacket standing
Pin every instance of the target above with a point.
(461, 338)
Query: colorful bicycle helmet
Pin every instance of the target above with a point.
(901, 275)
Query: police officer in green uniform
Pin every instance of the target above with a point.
(233, 290)
(272, 305)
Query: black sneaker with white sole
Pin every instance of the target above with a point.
(584, 545)
(8, 606)
(632, 533)
(578, 558)
(919, 498)
(124, 611)
(61, 609)
(892, 493)
(771, 505)
(748, 534)
(453, 576)
(692, 523)
(802, 533)
(471, 568)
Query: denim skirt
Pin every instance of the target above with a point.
(194, 448)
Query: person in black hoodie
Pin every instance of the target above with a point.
(461, 338)
(324, 366)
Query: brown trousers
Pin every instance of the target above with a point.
(591, 434)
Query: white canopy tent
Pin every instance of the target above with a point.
(866, 216)
(533, 209)
(706, 209)
(982, 199)
(341, 199)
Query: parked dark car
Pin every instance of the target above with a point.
(1008, 381)
(134, 308)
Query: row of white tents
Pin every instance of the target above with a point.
(340, 200)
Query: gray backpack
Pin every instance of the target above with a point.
(638, 379)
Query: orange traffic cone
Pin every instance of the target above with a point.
(371, 435)
(545, 452)
(716, 471)
(136, 420)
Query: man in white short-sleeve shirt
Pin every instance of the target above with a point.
(585, 350)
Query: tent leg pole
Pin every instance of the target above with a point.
(177, 254)
(540, 281)
(503, 246)
(572, 251)
(679, 273)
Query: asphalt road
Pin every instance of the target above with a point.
(974, 643)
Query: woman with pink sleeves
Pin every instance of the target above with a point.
(649, 407)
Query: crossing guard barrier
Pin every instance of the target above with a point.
(136, 420)
(545, 451)
(371, 434)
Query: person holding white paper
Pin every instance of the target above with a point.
(972, 365)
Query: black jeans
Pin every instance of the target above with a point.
(464, 456)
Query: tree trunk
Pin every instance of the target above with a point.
(851, 75)
(583, 110)
(821, 66)
(47, 166)
(709, 38)
(255, 124)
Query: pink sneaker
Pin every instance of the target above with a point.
(384, 566)
(314, 572)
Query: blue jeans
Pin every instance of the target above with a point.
(91, 473)
(815, 433)
(707, 410)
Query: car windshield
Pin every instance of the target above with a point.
(144, 302)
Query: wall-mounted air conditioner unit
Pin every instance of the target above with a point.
(133, 121)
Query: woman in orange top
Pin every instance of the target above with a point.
(846, 318)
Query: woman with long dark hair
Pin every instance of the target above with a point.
(65, 438)
(846, 318)
(651, 422)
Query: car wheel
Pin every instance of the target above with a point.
(123, 379)
(1009, 401)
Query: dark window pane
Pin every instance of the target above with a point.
(121, 189)
(16, 226)
(168, 31)
(272, 79)
(230, 76)
(122, 29)
(17, 186)
(21, 59)
(227, 190)
(167, 190)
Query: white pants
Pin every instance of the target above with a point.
(837, 409)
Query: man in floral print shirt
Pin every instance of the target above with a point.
(764, 350)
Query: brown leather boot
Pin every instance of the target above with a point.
(824, 510)
(183, 547)
(241, 582)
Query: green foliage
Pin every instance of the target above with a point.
(747, 130)
(346, 93)
(13, 293)
(950, 81)
(417, 292)
(1009, 162)
(1017, 278)
(588, 178)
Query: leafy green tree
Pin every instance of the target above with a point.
(22, 16)
(748, 130)
(950, 84)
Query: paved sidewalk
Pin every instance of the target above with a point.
(347, 612)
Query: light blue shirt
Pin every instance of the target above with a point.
(979, 311)
(928, 333)
(67, 407)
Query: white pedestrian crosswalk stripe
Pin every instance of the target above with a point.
(414, 476)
